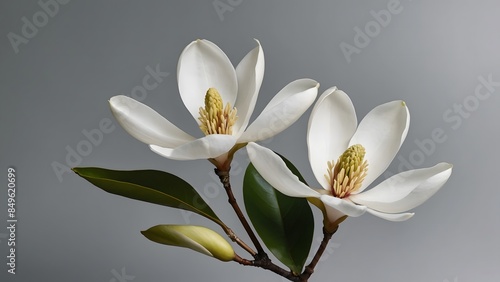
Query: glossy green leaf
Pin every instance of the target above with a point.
(285, 224)
(197, 238)
(150, 186)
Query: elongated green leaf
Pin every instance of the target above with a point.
(197, 238)
(150, 186)
(285, 224)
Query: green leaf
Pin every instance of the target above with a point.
(150, 186)
(285, 224)
(197, 238)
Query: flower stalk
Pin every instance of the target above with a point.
(261, 259)
(224, 179)
(309, 269)
(265, 263)
(230, 233)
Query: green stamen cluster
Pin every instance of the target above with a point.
(213, 101)
(352, 158)
(347, 175)
(215, 118)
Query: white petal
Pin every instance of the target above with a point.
(331, 125)
(250, 72)
(406, 190)
(282, 111)
(391, 216)
(274, 170)
(346, 207)
(210, 146)
(382, 132)
(203, 65)
(145, 124)
(333, 214)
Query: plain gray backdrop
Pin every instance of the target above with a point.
(59, 65)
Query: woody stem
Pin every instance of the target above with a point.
(224, 179)
(308, 271)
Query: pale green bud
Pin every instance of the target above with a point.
(197, 238)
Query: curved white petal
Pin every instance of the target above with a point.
(282, 111)
(331, 125)
(406, 190)
(274, 170)
(203, 65)
(391, 216)
(333, 214)
(345, 207)
(145, 124)
(292, 88)
(210, 146)
(250, 72)
(381, 132)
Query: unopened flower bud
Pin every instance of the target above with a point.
(197, 238)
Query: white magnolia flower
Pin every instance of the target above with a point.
(346, 157)
(221, 99)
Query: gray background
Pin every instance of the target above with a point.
(430, 54)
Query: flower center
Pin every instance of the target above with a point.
(215, 118)
(347, 175)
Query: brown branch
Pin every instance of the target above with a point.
(266, 263)
(224, 179)
(230, 233)
(260, 258)
(309, 270)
